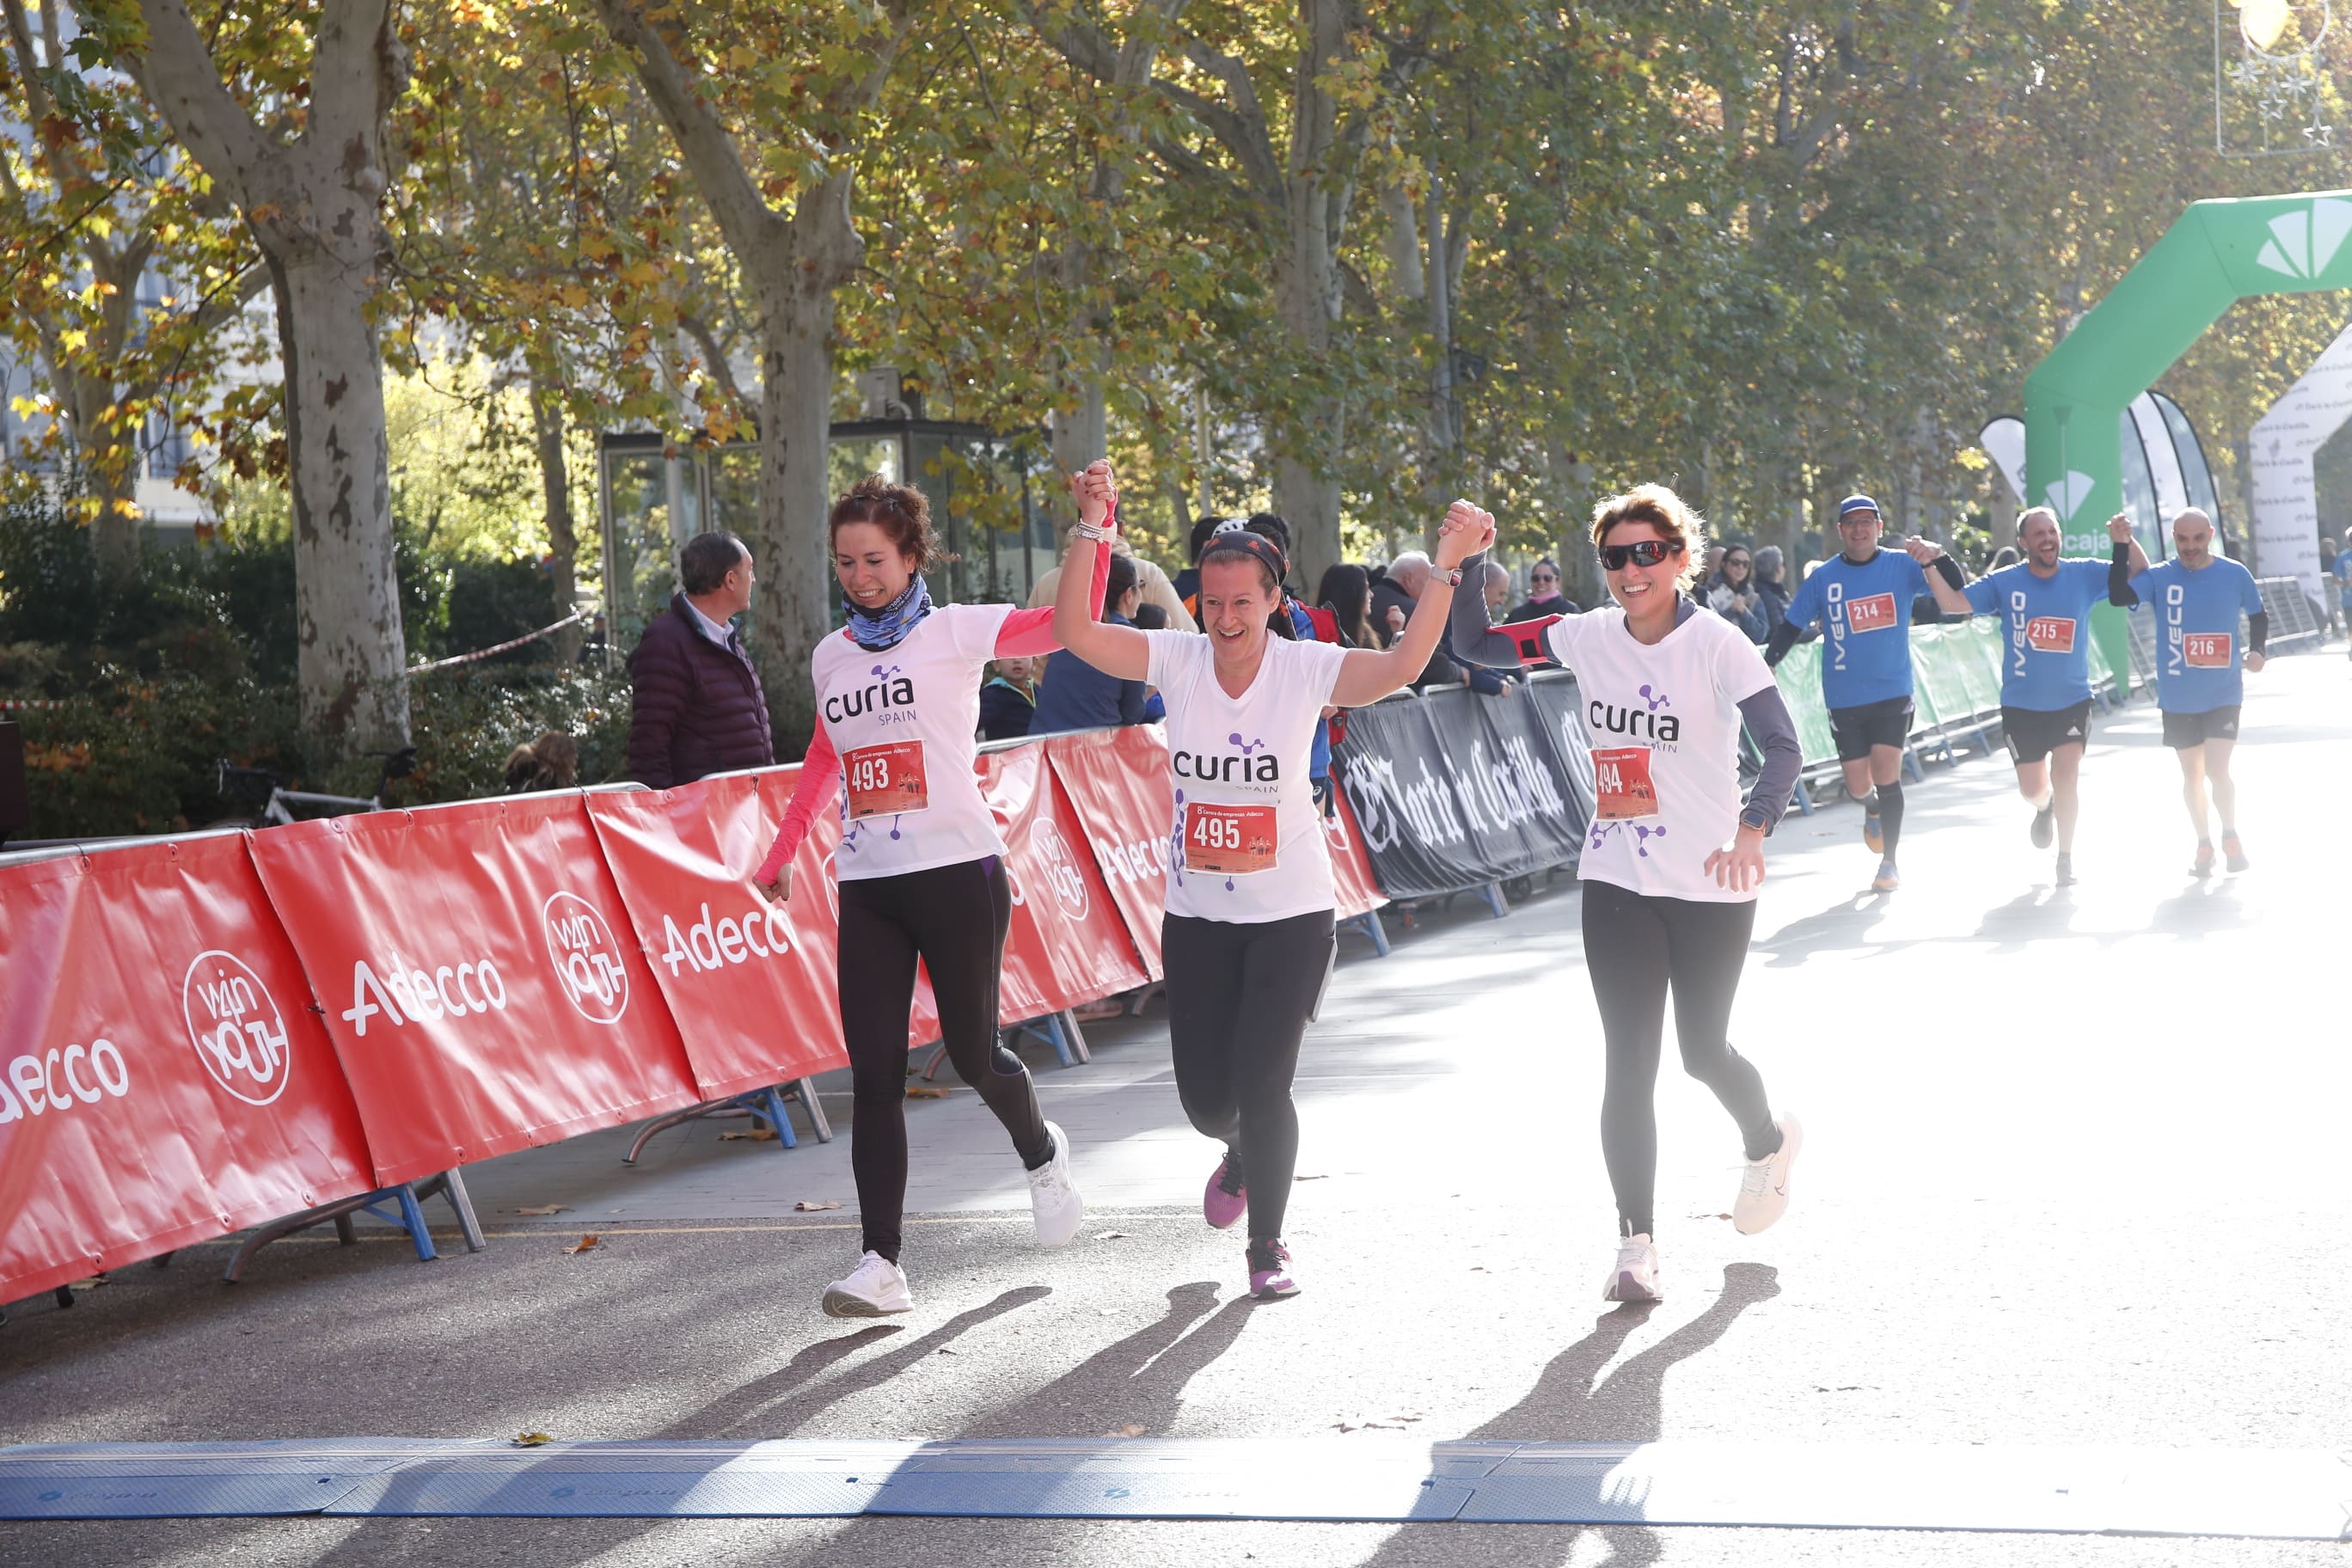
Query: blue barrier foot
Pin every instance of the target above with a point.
(1368, 922)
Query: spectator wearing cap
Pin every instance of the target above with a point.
(694, 706)
(1544, 595)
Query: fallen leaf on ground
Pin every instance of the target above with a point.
(813, 1205)
(93, 1283)
(531, 1439)
(583, 1244)
(1319, 1176)
(541, 1209)
(1132, 1429)
(1111, 1236)
(756, 1135)
(917, 1091)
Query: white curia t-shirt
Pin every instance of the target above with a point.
(903, 724)
(1663, 723)
(1247, 845)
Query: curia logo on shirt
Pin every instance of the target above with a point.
(1645, 723)
(890, 689)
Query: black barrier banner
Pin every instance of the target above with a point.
(1454, 790)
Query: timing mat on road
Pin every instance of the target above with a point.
(2296, 1494)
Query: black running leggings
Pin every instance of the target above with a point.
(1636, 948)
(1238, 999)
(954, 918)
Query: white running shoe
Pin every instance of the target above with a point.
(1635, 1278)
(1054, 1201)
(1764, 1185)
(876, 1288)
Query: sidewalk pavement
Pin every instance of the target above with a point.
(2072, 1176)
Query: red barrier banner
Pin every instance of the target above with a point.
(1116, 784)
(815, 908)
(162, 1080)
(1351, 866)
(480, 978)
(749, 984)
(1069, 942)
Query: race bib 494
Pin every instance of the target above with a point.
(1620, 784)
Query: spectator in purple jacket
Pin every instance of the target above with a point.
(698, 708)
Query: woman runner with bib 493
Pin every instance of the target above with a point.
(920, 866)
(1247, 937)
(1672, 862)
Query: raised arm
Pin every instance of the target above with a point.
(1471, 640)
(2126, 561)
(1121, 651)
(1367, 675)
(1029, 634)
(1944, 578)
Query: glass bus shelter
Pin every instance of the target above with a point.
(653, 496)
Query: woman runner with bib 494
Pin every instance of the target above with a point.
(1247, 937)
(920, 867)
(1672, 862)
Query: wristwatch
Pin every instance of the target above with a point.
(1451, 579)
(1757, 817)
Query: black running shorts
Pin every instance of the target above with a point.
(1887, 723)
(2033, 735)
(2182, 730)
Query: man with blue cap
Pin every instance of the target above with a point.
(1861, 597)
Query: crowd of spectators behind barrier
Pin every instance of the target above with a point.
(693, 717)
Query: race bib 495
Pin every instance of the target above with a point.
(1229, 840)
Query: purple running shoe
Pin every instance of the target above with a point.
(1269, 1266)
(1224, 1199)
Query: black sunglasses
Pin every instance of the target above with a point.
(1543, 577)
(1648, 552)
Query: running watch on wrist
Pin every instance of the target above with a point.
(1757, 817)
(1451, 579)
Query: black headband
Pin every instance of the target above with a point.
(1257, 546)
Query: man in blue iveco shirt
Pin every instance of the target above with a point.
(2045, 669)
(1861, 598)
(2196, 597)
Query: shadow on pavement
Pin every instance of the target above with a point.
(1837, 928)
(1566, 1405)
(1139, 1381)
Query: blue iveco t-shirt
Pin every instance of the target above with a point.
(1865, 616)
(2047, 621)
(2200, 661)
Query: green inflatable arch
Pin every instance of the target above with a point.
(2218, 253)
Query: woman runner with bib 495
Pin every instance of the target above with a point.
(1247, 937)
(920, 866)
(1672, 862)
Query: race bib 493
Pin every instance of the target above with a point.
(885, 780)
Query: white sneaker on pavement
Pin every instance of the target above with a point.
(1054, 1201)
(1635, 1278)
(876, 1288)
(1764, 1185)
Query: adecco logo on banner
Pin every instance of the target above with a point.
(1049, 854)
(237, 1027)
(2303, 243)
(586, 959)
(54, 1081)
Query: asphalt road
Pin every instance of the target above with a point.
(2073, 1176)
